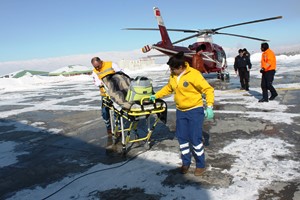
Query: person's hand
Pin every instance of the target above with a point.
(209, 113)
(262, 70)
(152, 98)
(236, 73)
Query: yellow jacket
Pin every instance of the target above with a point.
(189, 89)
(268, 60)
(105, 70)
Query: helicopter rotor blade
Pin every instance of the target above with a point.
(183, 30)
(168, 29)
(210, 31)
(141, 29)
(187, 38)
(207, 30)
(244, 23)
(242, 36)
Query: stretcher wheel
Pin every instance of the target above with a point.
(124, 151)
(147, 145)
(227, 76)
(114, 140)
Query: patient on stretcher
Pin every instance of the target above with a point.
(118, 85)
(119, 88)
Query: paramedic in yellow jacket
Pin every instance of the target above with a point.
(268, 69)
(188, 85)
(102, 69)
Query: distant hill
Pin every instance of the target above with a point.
(21, 73)
(50, 64)
(293, 53)
(71, 70)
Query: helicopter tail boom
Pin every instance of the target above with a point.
(165, 39)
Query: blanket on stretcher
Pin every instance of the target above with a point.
(117, 86)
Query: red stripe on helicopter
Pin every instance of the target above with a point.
(146, 49)
(157, 12)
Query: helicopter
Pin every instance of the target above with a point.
(214, 55)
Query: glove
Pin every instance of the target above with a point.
(152, 98)
(209, 113)
(262, 70)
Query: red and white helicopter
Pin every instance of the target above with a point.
(214, 56)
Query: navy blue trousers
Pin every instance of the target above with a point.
(189, 134)
(267, 84)
(105, 115)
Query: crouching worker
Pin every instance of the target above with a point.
(188, 85)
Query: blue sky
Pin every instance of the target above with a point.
(35, 29)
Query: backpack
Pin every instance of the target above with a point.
(139, 87)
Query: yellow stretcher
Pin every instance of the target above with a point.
(139, 110)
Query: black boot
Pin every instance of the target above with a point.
(273, 97)
(263, 100)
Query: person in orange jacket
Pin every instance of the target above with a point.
(268, 69)
(197, 60)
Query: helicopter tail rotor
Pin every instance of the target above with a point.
(146, 48)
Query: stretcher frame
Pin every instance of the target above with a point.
(130, 134)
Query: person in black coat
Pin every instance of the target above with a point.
(246, 53)
(242, 65)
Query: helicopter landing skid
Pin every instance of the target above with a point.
(223, 75)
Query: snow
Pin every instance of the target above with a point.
(35, 82)
(7, 154)
(71, 68)
(256, 57)
(255, 165)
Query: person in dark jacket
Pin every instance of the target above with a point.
(242, 65)
(246, 53)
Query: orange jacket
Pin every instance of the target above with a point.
(268, 60)
(105, 70)
(198, 63)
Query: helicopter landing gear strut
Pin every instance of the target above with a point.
(223, 76)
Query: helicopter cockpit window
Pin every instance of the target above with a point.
(220, 56)
(203, 47)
